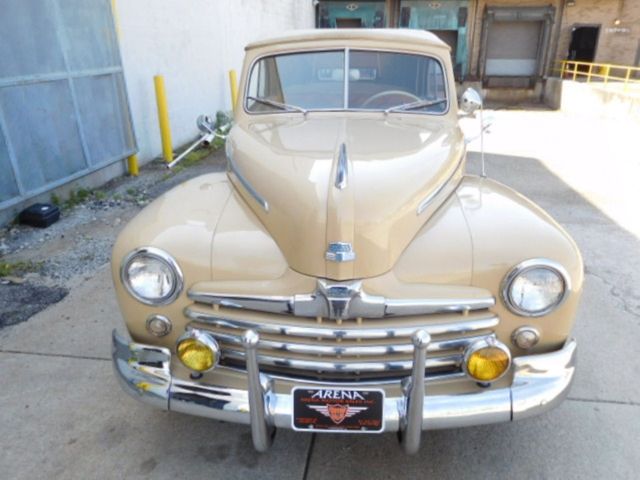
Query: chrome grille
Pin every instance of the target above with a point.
(343, 350)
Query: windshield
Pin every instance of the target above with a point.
(388, 81)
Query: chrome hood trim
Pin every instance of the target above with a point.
(341, 301)
(232, 167)
(342, 170)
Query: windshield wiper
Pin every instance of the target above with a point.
(281, 106)
(414, 105)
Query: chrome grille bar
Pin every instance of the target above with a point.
(345, 301)
(472, 324)
(350, 350)
(340, 332)
(319, 365)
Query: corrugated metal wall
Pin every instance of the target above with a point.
(63, 103)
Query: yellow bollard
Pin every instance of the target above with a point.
(132, 165)
(233, 83)
(132, 161)
(116, 20)
(163, 118)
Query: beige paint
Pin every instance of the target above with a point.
(465, 243)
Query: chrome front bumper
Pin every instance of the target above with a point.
(540, 382)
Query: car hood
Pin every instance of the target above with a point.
(399, 169)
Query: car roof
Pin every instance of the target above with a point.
(395, 35)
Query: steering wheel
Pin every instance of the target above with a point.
(388, 93)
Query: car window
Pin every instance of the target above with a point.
(310, 80)
(376, 81)
(381, 80)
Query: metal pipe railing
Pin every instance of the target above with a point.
(605, 72)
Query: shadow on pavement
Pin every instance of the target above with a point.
(586, 436)
(65, 417)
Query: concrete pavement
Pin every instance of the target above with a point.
(63, 415)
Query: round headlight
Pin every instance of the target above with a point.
(151, 276)
(535, 287)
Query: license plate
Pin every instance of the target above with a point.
(337, 410)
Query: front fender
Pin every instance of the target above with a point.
(506, 228)
(476, 237)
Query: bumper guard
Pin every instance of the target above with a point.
(540, 383)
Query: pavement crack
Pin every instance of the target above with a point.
(60, 355)
(595, 400)
(613, 291)
(308, 460)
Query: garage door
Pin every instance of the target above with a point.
(512, 49)
(63, 104)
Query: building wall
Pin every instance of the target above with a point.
(619, 48)
(193, 43)
(478, 10)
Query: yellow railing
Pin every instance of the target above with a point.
(604, 72)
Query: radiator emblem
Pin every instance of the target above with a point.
(340, 252)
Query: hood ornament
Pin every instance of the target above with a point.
(340, 252)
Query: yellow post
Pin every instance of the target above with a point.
(132, 165)
(132, 161)
(163, 118)
(575, 71)
(233, 83)
(627, 77)
(116, 20)
(590, 73)
(562, 69)
(607, 71)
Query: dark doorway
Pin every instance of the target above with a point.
(348, 22)
(450, 37)
(584, 41)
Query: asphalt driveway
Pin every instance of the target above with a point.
(62, 414)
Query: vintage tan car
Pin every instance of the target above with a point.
(345, 274)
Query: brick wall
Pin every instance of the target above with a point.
(619, 48)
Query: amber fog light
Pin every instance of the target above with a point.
(486, 360)
(198, 351)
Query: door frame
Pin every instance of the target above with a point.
(580, 25)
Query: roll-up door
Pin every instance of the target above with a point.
(515, 43)
(512, 49)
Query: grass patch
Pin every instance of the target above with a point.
(192, 159)
(77, 197)
(19, 268)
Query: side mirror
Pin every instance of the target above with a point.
(206, 124)
(470, 101)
